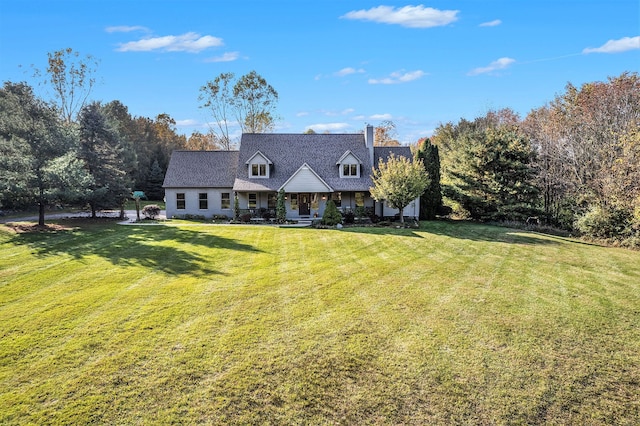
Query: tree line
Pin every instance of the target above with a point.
(573, 164)
(68, 150)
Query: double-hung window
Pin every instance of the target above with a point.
(225, 200)
(253, 201)
(203, 201)
(180, 201)
(258, 170)
(350, 170)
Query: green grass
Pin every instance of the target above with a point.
(453, 323)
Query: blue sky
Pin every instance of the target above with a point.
(336, 65)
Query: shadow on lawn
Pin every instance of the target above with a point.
(161, 248)
(465, 231)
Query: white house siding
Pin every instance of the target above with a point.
(412, 210)
(192, 202)
(305, 180)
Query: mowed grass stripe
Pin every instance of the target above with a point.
(451, 323)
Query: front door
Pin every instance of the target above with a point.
(304, 200)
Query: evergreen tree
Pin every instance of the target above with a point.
(281, 209)
(37, 152)
(102, 152)
(488, 168)
(331, 215)
(156, 178)
(431, 198)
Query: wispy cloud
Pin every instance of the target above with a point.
(381, 117)
(126, 29)
(190, 122)
(327, 127)
(398, 77)
(348, 71)
(226, 57)
(190, 42)
(407, 16)
(345, 111)
(493, 23)
(500, 64)
(616, 46)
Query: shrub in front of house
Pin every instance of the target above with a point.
(151, 211)
(331, 215)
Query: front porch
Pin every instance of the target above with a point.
(303, 205)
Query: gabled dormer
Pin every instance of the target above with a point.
(349, 165)
(259, 166)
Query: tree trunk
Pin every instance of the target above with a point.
(41, 213)
(402, 215)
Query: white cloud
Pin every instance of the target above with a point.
(327, 127)
(346, 111)
(493, 23)
(227, 57)
(126, 29)
(348, 71)
(407, 16)
(189, 42)
(381, 117)
(500, 64)
(302, 114)
(398, 77)
(616, 46)
(187, 123)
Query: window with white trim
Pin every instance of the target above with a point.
(350, 170)
(203, 200)
(258, 170)
(225, 200)
(253, 201)
(180, 201)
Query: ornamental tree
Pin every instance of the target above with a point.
(398, 181)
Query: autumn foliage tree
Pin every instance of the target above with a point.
(398, 181)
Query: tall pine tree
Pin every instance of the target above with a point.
(431, 198)
(103, 154)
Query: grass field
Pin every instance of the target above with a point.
(453, 323)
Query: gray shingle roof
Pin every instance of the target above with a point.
(290, 151)
(201, 169)
(385, 151)
(226, 169)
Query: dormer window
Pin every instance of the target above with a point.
(258, 170)
(258, 165)
(349, 165)
(350, 170)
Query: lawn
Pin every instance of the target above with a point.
(452, 323)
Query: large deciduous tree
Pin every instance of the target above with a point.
(38, 152)
(250, 101)
(256, 102)
(385, 134)
(398, 181)
(582, 139)
(71, 77)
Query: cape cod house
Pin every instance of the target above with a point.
(311, 168)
